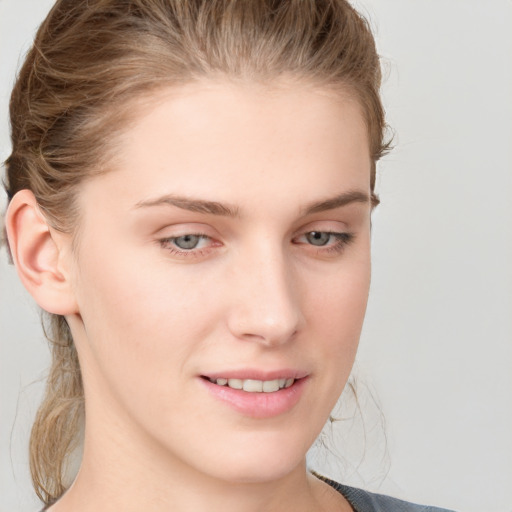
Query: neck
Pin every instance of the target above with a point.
(121, 472)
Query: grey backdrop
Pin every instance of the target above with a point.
(437, 344)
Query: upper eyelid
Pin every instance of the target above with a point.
(202, 228)
(178, 230)
(338, 235)
(333, 225)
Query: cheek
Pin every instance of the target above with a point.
(139, 332)
(119, 315)
(336, 313)
(141, 318)
(338, 301)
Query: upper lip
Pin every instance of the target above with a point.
(257, 374)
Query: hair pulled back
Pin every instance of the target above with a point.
(91, 59)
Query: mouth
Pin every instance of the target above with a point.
(273, 394)
(257, 392)
(253, 385)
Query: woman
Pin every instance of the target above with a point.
(190, 191)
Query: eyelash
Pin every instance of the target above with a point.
(342, 240)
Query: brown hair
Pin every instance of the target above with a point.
(90, 58)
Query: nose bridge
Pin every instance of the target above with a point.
(267, 306)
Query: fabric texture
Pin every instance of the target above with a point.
(365, 501)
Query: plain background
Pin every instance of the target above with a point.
(437, 343)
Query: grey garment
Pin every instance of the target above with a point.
(364, 501)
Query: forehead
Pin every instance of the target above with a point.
(221, 141)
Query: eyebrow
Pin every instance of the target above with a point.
(227, 210)
(344, 199)
(192, 205)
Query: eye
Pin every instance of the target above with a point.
(326, 241)
(187, 242)
(188, 245)
(318, 238)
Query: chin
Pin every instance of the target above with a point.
(261, 473)
(258, 459)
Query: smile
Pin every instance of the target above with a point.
(273, 395)
(254, 386)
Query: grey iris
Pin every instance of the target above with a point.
(187, 241)
(318, 238)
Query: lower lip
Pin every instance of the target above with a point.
(258, 405)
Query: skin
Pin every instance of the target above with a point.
(255, 293)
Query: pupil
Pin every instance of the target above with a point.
(187, 241)
(318, 238)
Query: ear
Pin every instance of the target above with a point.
(42, 256)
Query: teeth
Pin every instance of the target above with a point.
(255, 386)
(236, 383)
(270, 386)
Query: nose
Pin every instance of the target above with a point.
(266, 304)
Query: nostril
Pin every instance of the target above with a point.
(268, 307)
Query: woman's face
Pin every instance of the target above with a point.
(230, 242)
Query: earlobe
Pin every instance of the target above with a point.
(39, 255)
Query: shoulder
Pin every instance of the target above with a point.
(365, 501)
